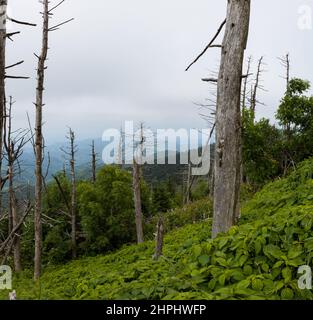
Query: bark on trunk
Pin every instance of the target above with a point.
(159, 239)
(39, 140)
(93, 162)
(73, 195)
(3, 34)
(228, 117)
(137, 201)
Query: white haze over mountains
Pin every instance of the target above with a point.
(125, 60)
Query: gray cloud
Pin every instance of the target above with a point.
(124, 60)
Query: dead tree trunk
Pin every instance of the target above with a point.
(228, 117)
(159, 239)
(285, 62)
(256, 87)
(245, 84)
(12, 157)
(188, 187)
(137, 201)
(46, 14)
(93, 162)
(137, 191)
(39, 140)
(243, 108)
(73, 194)
(71, 152)
(3, 36)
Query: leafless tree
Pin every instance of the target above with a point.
(285, 62)
(159, 239)
(137, 160)
(256, 87)
(93, 161)
(245, 84)
(4, 35)
(228, 115)
(47, 13)
(13, 144)
(9, 241)
(71, 152)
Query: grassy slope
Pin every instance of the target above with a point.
(256, 260)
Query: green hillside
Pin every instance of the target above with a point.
(258, 259)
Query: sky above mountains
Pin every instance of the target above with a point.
(125, 60)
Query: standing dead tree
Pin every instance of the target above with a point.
(285, 62)
(245, 84)
(93, 162)
(137, 161)
(228, 115)
(42, 58)
(14, 149)
(8, 243)
(4, 35)
(71, 152)
(159, 239)
(256, 87)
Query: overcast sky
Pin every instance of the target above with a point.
(124, 60)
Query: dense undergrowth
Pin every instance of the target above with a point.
(258, 259)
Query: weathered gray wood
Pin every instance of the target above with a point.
(228, 117)
(159, 239)
(39, 140)
(3, 37)
(73, 195)
(93, 161)
(137, 201)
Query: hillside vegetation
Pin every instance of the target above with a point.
(258, 259)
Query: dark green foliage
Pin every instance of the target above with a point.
(57, 229)
(295, 114)
(270, 151)
(261, 150)
(200, 191)
(106, 210)
(258, 259)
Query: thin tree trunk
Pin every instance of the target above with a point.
(228, 117)
(93, 162)
(17, 240)
(159, 239)
(73, 195)
(39, 140)
(137, 200)
(137, 161)
(3, 36)
(188, 184)
(256, 87)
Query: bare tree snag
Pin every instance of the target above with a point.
(39, 146)
(93, 161)
(71, 152)
(39, 140)
(13, 147)
(228, 117)
(73, 194)
(285, 62)
(159, 239)
(137, 191)
(16, 228)
(245, 85)
(257, 86)
(3, 36)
